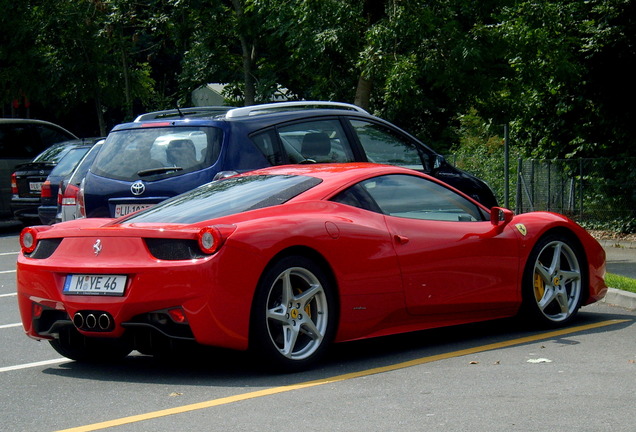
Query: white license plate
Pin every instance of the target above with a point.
(84, 284)
(124, 209)
(35, 186)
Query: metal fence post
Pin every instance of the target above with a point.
(506, 170)
(518, 198)
(581, 188)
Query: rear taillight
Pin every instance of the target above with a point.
(209, 239)
(28, 240)
(81, 206)
(69, 198)
(14, 184)
(46, 190)
(60, 194)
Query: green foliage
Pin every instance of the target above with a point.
(558, 71)
(620, 282)
(481, 152)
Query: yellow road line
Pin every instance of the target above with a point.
(337, 378)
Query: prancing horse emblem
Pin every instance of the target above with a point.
(97, 247)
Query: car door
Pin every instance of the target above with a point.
(452, 259)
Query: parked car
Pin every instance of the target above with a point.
(28, 178)
(335, 252)
(49, 196)
(20, 141)
(165, 153)
(68, 190)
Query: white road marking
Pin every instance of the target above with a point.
(34, 364)
(9, 295)
(10, 325)
(7, 271)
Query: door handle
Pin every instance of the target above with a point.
(401, 239)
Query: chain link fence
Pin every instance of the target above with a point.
(599, 193)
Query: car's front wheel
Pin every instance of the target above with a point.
(554, 281)
(294, 313)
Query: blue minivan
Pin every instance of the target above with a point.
(165, 153)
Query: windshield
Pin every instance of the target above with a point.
(225, 197)
(149, 153)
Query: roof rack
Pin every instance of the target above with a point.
(181, 112)
(285, 106)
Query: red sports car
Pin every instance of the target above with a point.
(287, 260)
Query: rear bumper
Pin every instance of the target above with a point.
(48, 214)
(217, 314)
(25, 208)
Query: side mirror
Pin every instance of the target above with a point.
(500, 216)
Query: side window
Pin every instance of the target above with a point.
(318, 141)
(413, 197)
(382, 145)
(266, 143)
(357, 196)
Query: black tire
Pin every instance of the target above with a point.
(75, 346)
(293, 314)
(554, 281)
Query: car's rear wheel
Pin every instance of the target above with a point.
(74, 345)
(293, 318)
(553, 281)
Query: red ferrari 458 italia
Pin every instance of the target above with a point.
(287, 260)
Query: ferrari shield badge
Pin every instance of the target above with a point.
(522, 229)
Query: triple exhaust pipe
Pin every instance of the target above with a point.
(93, 321)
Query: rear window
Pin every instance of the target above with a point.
(68, 163)
(85, 164)
(225, 197)
(52, 154)
(152, 153)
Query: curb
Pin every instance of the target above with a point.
(620, 298)
(618, 243)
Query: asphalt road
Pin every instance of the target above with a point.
(496, 376)
(621, 258)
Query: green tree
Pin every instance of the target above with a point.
(21, 66)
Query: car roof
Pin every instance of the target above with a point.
(20, 121)
(255, 116)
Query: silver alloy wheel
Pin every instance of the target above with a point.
(297, 313)
(557, 281)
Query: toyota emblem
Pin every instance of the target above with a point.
(137, 188)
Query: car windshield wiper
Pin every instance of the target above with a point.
(153, 171)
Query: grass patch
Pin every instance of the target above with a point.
(620, 282)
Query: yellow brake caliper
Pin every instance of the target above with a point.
(539, 286)
(307, 306)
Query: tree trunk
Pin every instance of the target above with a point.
(363, 92)
(248, 62)
(248, 49)
(100, 113)
(124, 65)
